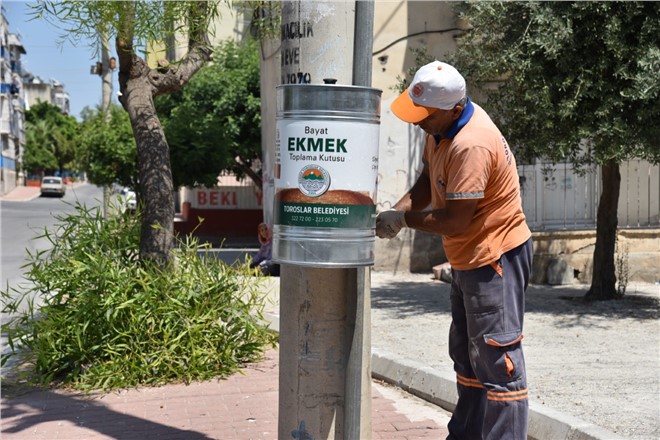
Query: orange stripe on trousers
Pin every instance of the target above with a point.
(507, 396)
(468, 382)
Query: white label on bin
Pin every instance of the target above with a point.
(325, 173)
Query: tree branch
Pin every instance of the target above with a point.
(170, 78)
(124, 47)
(250, 173)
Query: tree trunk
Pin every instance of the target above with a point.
(603, 279)
(155, 174)
(154, 169)
(138, 85)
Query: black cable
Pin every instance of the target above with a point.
(441, 31)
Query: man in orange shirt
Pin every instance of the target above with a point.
(468, 192)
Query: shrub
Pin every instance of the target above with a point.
(92, 316)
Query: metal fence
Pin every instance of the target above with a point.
(563, 199)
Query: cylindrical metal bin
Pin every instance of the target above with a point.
(326, 168)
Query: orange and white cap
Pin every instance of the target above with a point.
(436, 85)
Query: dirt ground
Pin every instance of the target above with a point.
(597, 361)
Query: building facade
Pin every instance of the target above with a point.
(19, 89)
(12, 107)
(53, 92)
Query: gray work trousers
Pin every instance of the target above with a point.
(488, 304)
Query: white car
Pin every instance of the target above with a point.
(52, 185)
(128, 199)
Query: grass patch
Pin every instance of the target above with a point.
(108, 320)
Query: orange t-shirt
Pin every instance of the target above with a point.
(478, 164)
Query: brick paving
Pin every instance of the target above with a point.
(242, 407)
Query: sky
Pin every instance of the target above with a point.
(48, 59)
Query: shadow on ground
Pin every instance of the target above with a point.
(25, 408)
(413, 298)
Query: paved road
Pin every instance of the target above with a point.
(23, 217)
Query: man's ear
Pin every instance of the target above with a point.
(456, 112)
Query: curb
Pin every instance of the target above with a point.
(439, 388)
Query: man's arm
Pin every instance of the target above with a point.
(453, 219)
(389, 223)
(419, 196)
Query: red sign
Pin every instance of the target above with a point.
(226, 198)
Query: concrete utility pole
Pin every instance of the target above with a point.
(270, 74)
(325, 326)
(106, 74)
(106, 97)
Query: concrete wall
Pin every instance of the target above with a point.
(398, 28)
(565, 257)
(560, 257)
(36, 93)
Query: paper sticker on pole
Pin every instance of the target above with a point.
(325, 175)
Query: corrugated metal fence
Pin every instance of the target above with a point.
(563, 199)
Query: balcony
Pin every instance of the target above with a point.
(6, 88)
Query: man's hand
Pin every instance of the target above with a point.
(389, 223)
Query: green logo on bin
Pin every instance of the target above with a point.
(313, 180)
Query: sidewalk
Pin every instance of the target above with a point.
(409, 323)
(242, 407)
(27, 193)
(22, 194)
